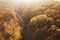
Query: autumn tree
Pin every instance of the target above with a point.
(10, 29)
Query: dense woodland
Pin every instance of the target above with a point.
(42, 21)
(10, 28)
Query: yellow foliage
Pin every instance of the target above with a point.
(10, 28)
